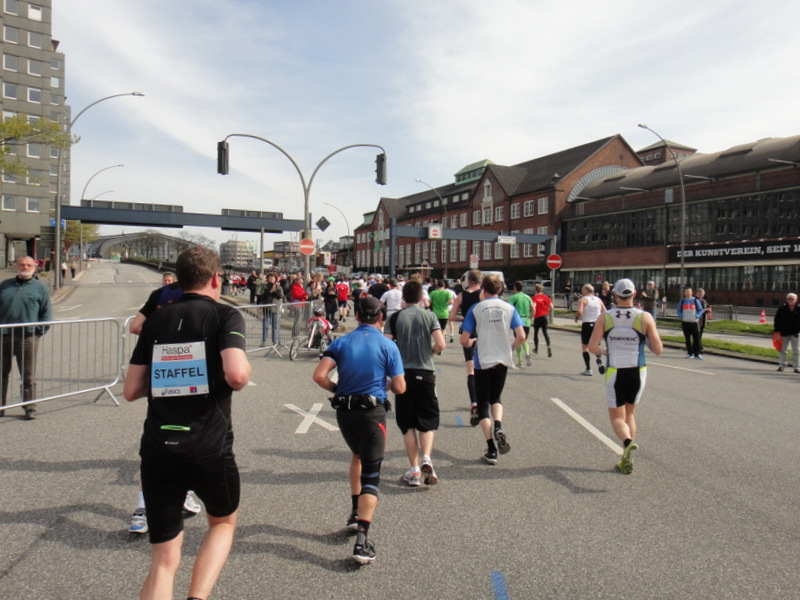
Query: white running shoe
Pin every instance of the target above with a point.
(139, 522)
(427, 470)
(190, 505)
(412, 478)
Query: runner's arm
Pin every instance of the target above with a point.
(136, 382)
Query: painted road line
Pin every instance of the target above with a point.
(589, 427)
(310, 417)
(459, 421)
(660, 364)
(499, 586)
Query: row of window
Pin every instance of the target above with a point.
(33, 39)
(33, 149)
(11, 203)
(13, 91)
(18, 64)
(12, 7)
(766, 215)
(488, 214)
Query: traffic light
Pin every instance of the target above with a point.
(380, 170)
(222, 158)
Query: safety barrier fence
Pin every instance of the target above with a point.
(59, 359)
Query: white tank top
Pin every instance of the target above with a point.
(592, 309)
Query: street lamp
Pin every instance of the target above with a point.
(57, 236)
(83, 193)
(102, 194)
(683, 202)
(222, 169)
(444, 220)
(347, 261)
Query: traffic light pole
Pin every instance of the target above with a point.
(223, 169)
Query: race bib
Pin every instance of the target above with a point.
(179, 370)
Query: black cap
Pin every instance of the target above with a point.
(369, 307)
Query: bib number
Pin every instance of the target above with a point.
(179, 370)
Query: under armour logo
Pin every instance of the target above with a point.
(627, 314)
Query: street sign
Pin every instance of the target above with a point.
(554, 261)
(323, 223)
(506, 239)
(434, 231)
(473, 261)
(307, 247)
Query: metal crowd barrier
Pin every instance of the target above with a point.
(291, 316)
(70, 358)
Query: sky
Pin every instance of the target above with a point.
(438, 84)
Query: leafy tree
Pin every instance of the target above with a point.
(72, 234)
(19, 129)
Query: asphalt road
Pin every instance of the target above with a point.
(711, 510)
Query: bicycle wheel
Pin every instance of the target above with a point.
(293, 348)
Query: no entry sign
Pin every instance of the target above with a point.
(307, 247)
(554, 261)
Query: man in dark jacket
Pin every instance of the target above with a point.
(23, 299)
(787, 322)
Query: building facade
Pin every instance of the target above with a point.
(32, 82)
(234, 253)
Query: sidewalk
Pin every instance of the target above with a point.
(566, 322)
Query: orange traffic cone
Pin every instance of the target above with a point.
(710, 314)
(763, 317)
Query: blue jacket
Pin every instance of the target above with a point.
(690, 310)
(24, 301)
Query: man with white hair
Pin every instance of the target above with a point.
(626, 330)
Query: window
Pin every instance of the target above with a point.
(514, 251)
(34, 150)
(465, 195)
(476, 248)
(487, 191)
(35, 95)
(416, 254)
(35, 68)
(453, 221)
(34, 12)
(33, 205)
(11, 35)
(444, 251)
(55, 99)
(476, 217)
(425, 251)
(487, 215)
(498, 251)
(462, 250)
(9, 203)
(515, 211)
(527, 208)
(55, 64)
(436, 204)
(427, 205)
(10, 62)
(11, 7)
(35, 40)
(9, 90)
(454, 251)
(55, 82)
(527, 249)
(541, 247)
(543, 205)
(462, 220)
(433, 252)
(487, 250)
(498, 213)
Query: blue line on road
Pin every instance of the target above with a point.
(499, 585)
(459, 422)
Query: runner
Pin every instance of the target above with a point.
(458, 311)
(524, 305)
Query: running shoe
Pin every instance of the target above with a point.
(189, 504)
(474, 419)
(427, 470)
(30, 413)
(625, 466)
(699, 357)
(363, 553)
(601, 368)
(528, 360)
(491, 457)
(352, 521)
(412, 478)
(139, 522)
(587, 372)
(688, 356)
(780, 369)
(549, 352)
(502, 443)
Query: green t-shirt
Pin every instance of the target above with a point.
(522, 302)
(440, 301)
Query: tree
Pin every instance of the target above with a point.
(19, 129)
(76, 229)
(198, 239)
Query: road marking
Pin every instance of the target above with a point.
(310, 417)
(681, 368)
(499, 586)
(589, 427)
(459, 421)
(68, 308)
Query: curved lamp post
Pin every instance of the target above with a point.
(683, 204)
(346, 224)
(83, 193)
(444, 219)
(57, 236)
(222, 169)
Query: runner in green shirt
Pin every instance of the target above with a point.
(440, 303)
(524, 305)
